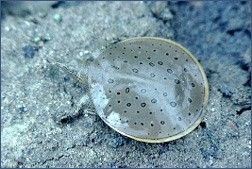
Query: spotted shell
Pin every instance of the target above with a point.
(149, 89)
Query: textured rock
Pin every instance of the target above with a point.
(43, 108)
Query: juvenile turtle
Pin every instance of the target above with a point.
(149, 89)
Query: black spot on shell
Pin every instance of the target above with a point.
(125, 111)
(154, 50)
(160, 62)
(165, 78)
(179, 118)
(189, 114)
(110, 80)
(118, 93)
(66, 78)
(143, 104)
(185, 70)
(127, 90)
(123, 53)
(135, 56)
(162, 122)
(192, 84)
(135, 70)
(152, 75)
(139, 47)
(176, 58)
(153, 100)
(136, 97)
(115, 67)
(148, 57)
(177, 81)
(118, 101)
(152, 124)
(167, 54)
(142, 124)
(173, 104)
(128, 104)
(152, 64)
(138, 111)
(140, 63)
(161, 110)
(150, 112)
(125, 61)
(169, 71)
(143, 90)
(135, 123)
(190, 100)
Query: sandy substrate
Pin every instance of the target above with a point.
(43, 120)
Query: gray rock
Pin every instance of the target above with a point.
(43, 107)
(29, 51)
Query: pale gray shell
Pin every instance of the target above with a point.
(149, 89)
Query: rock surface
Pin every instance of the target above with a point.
(43, 118)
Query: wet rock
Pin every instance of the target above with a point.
(226, 90)
(29, 51)
(115, 140)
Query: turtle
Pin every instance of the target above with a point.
(149, 89)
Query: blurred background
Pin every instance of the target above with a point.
(42, 119)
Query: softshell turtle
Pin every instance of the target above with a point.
(149, 89)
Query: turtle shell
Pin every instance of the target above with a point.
(149, 89)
